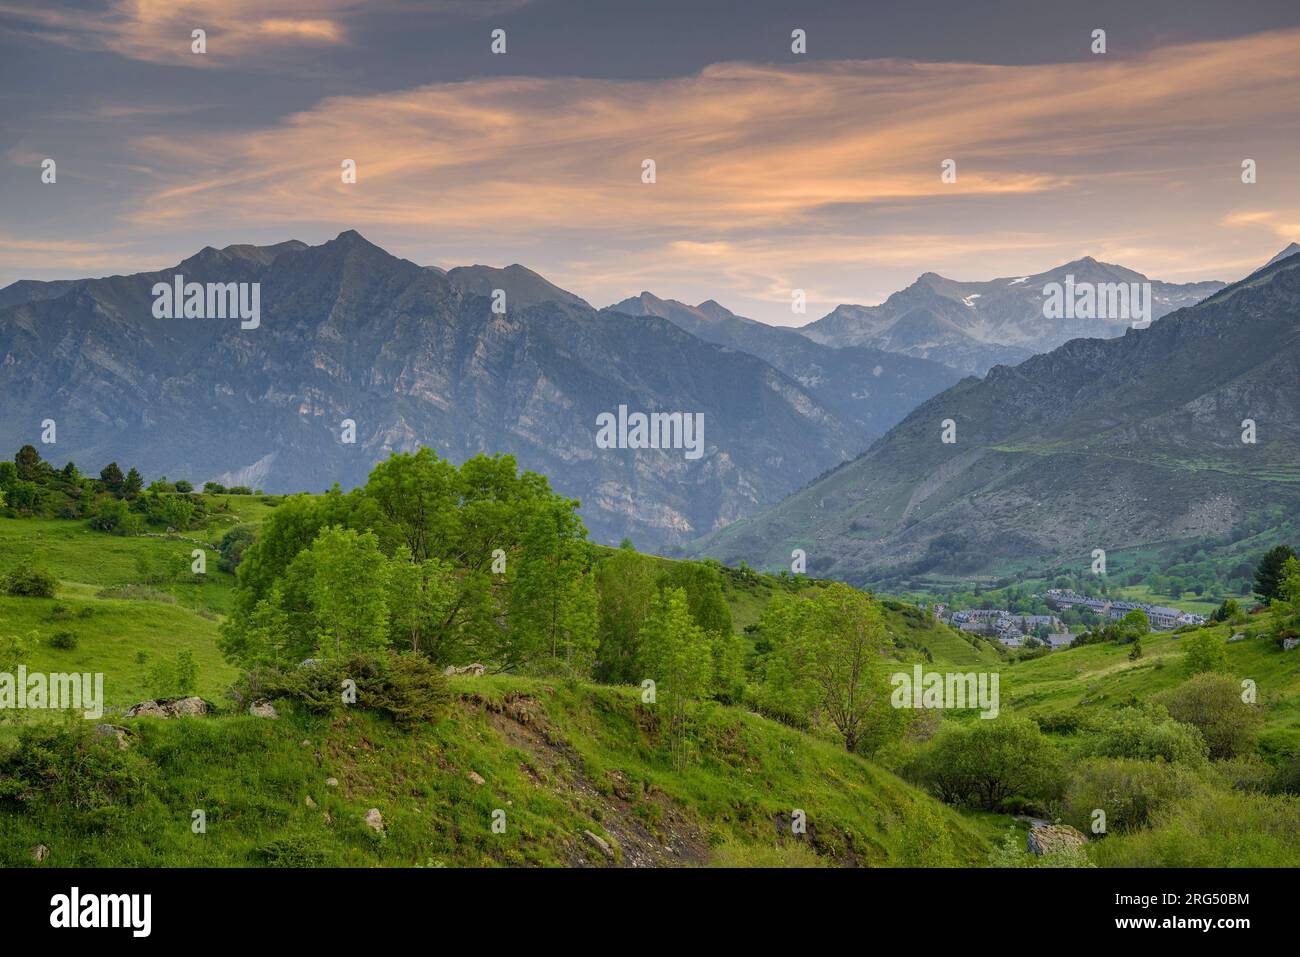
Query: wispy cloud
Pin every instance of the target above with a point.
(823, 176)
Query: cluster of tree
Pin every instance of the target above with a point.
(115, 501)
(476, 563)
(1131, 628)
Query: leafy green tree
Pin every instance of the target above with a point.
(348, 591)
(132, 484)
(1204, 652)
(8, 475)
(28, 462)
(178, 511)
(417, 495)
(1146, 733)
(419, 598)
(676, 656)
(184, 486)
(1134, 625)
(187, 673)
(625, 592)
(1227, 611)
(1268, 575)
(826, 661)
(552, 600)
(1136, 651)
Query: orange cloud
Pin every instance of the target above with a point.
(773, 177)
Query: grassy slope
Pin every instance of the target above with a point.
(557, 758)
(1101, 676)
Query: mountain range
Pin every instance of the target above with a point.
(1101, 443)
(973, 326)
(871, 388)
(414, 356)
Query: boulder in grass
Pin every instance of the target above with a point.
(1054, 839)
(474, 669)
(375, 820)
(39, 853)
(598, 842)
(104, 731)
(190, 707)
(262, 709)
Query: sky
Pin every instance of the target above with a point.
(775, 171)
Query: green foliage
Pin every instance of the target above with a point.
(67, 766)
(1147, 733)
(825, 660)
(1213, 704)
(675, 655)
(499, 570)
(1128, 790)
(187, 673)
(406, 687)
(1213, 828)
(990, 761)
(349, 580)
(28, 581)
(1204, 652)
(1268, 574)
(63, 640)
(625, 593)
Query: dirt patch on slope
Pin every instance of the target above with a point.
(673, 839)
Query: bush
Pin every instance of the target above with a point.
(65, 640)
(987, 762)
(70, 768)
(1246, 772)
(1129, 791)
(1147, 733)
(1212, 829)
(294, 850)
(1212, 704)
(407, 687)
(29, 582)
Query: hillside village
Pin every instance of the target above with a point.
(1014, 630)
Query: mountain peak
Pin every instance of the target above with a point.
(713, 309)
(1287, 253)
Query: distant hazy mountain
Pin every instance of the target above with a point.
(414, 356)
(1101, 443)
(869, 387)
(973, 326)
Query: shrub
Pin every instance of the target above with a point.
(1246, 772)
(407, 687)
(986, 762)
(29, 582)
(65, 640)
(1212, 829)
(1212, 704)
(1147, 733)
(1129, 791)
(295, 850)
(69, 767)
